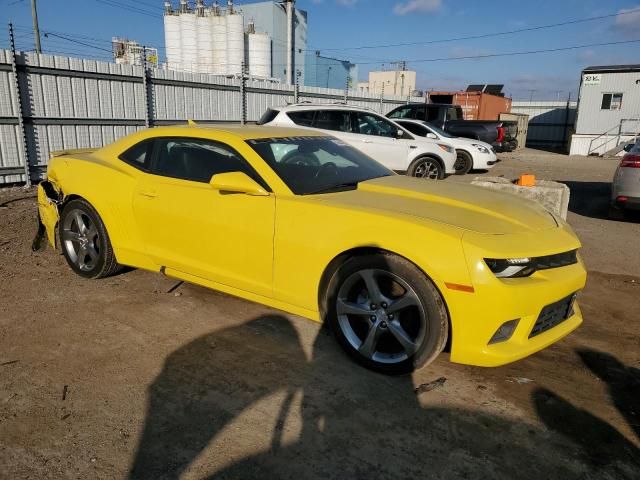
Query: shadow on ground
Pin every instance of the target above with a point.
(592, 199)
(358, 424)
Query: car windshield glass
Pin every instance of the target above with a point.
(439, 131)
(317, 164)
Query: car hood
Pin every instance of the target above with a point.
(459, 141)
(469, 207)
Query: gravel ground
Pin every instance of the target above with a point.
(139, 376)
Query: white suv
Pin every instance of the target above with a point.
(377, 136)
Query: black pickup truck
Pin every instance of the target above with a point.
(500, 134)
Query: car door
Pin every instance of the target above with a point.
(378, 138)
(193, 228)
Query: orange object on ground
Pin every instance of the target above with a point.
(527, 180)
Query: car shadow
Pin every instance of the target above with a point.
(589, 199)
(601, 444)
(352, 424)
(592, 199)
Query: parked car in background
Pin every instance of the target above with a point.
(381, 139)
(502, 135)
(625, 190)
(300, 221)
(471, 154)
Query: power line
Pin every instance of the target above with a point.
(76, 41)
(487, 35)
(526, 52)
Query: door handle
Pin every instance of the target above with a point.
(367, 141)
(148, 193)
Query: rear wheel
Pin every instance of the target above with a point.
(386, 314)
(464, 162)
(85, 242)
(426, 167)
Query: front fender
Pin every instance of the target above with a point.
(49, 199)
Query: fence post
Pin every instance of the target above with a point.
(18, 107)
(346, 89)
(381, 98)
(565, 133)
(243, 96)
(296, 88)
(148, 90)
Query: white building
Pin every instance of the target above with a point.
(389, 82)
(608, 109)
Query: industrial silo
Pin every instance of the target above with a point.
(205, 50)
(259, 54)
(219, 43)
(235, 42)
(172, 41)
(189, 42)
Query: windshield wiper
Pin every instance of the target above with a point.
(340, 187)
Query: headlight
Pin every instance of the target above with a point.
(481, 148)
(446, 148)
(511, 267)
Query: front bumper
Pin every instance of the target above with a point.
(484, 161)
(477, 316)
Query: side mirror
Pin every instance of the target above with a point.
(432, 136)
(237, 182)
(400, 133)
(628, 147)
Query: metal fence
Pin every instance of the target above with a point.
(52, 103)
(550, 123)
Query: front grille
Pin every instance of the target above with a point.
(553, 314)
(558, 260)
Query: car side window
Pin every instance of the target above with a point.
(369, 124)
(303, 118)
(452, 114)
(139, 155)
(336, 120)
(431, 114)
(198, 160)
(415, 128)
(402, 112)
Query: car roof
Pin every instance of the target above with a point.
(411, 120)
(244, 132)
(323, 106)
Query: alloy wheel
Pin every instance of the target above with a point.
(381, 316)
(427, 169)
(80, 240)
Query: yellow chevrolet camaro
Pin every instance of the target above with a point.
(399, 267)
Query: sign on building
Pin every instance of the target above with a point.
(592, 79)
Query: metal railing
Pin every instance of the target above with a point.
(614, 137)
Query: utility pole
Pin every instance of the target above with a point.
(36, 29)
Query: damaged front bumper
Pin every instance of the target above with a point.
(49, 200)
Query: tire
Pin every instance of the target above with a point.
(426, 167)
(464, 162)
(84, 241)
(405, 330)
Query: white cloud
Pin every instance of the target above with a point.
(346, 3)
(628, 20)
(417, 6)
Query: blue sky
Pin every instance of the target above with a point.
(337, 25)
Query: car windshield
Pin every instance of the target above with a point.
(312, 164)
(439, 131)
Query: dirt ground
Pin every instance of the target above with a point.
(136, 376)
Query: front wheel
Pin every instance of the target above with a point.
(464, 163)
(85, 242)
(426, 167)
(386, 314)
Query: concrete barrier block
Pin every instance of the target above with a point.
(553, 196)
